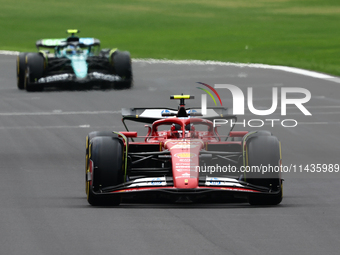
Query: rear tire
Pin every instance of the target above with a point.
(264, 150)
(21, 69)
(34, 71)
(121, 62)
(107, 156)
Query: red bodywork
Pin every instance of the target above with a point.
(184, 147)
(172, 160)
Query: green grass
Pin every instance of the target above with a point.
(300, 33)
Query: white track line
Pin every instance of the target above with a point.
(262, 66)
(56, 113)
(7, 52)
(43, 127)
(219, 63)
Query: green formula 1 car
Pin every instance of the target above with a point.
(75, 61)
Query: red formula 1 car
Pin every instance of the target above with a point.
(182, 159)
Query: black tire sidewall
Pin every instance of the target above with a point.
(21, 69)
(107, 156)
(35, 69)
(89, 137)
(264, 150)
(121, 66)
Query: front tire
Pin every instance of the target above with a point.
(264, 150)
(88, 139)
(107, 156)
(34, 71)
(21, 69)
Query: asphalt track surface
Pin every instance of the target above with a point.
(42, 191)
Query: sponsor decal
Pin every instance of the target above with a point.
(156, 181)
(87, 41)
(182, 164)
(106, 77)
(166, 112)
(185, 167)
(182, 177)
(186, 145)
(183, 146)
(185, 160)
(53, 42)
(192, 111)
(180, 169)
(54, 78)
(215, 181)
(185, 155)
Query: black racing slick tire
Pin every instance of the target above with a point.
(106, 155)
(34, 71)
(88, 139)
(264, 151)
(121, 62)
(21, 69)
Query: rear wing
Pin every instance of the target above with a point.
(150, 115)
(52, 43)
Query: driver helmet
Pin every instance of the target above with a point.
(190, 129)
(70, 50)
(175, 130)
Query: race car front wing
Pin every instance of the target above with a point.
(94, 76)
(206, 185)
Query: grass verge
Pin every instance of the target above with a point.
(299, 33)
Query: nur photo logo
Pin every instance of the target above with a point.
(239, 100)
(204, 97)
